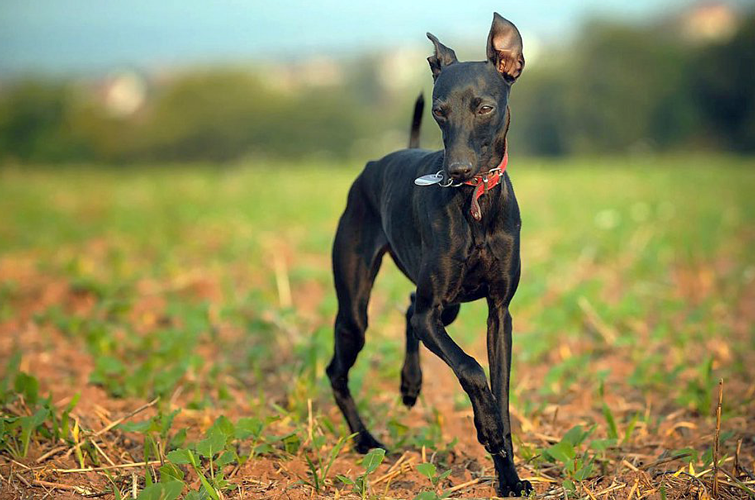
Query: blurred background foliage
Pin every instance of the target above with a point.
(615, 88)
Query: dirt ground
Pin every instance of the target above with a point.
(641, 467)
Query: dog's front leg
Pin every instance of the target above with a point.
(499, 359)
(427, 323)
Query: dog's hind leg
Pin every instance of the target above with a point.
(357, 253)
(411, 373)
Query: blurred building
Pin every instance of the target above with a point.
(709, 22)
(317, 71)
(124, 93)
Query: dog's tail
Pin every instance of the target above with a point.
(419, 106)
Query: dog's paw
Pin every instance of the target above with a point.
(518, 489)
(411, 385)
(409, 401)
(409, 393)
(364, 442)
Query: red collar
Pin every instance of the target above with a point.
(484, 182)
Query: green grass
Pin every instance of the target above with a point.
(644, 263)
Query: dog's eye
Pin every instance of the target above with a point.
(439, 113)
(484, 110)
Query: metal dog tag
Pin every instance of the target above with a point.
(428, 180)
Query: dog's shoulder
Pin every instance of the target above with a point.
(412, 155)
(404, 161)
(395, 173)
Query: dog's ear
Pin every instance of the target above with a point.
(443, 56)
(505, 48)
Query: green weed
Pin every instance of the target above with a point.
(361, 484)
(431, 473)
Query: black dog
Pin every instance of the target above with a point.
(457, 245)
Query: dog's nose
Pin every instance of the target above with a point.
(460, 170)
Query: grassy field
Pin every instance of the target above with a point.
(164, 333)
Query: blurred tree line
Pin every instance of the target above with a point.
(623, 88)
(617, 88)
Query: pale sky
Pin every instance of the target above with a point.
(86, 36)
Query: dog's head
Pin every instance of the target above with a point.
(470, 100)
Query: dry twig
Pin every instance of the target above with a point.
(718, 432)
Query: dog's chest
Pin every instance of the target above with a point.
(481, 268)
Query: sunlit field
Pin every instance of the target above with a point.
(164, 333)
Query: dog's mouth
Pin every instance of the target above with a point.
(460, 170)
(455, 180)
(462, 178)
(459, 179)
(460, 175)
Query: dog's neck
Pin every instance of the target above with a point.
(488, 180)
(485, 182)
(501, 142)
